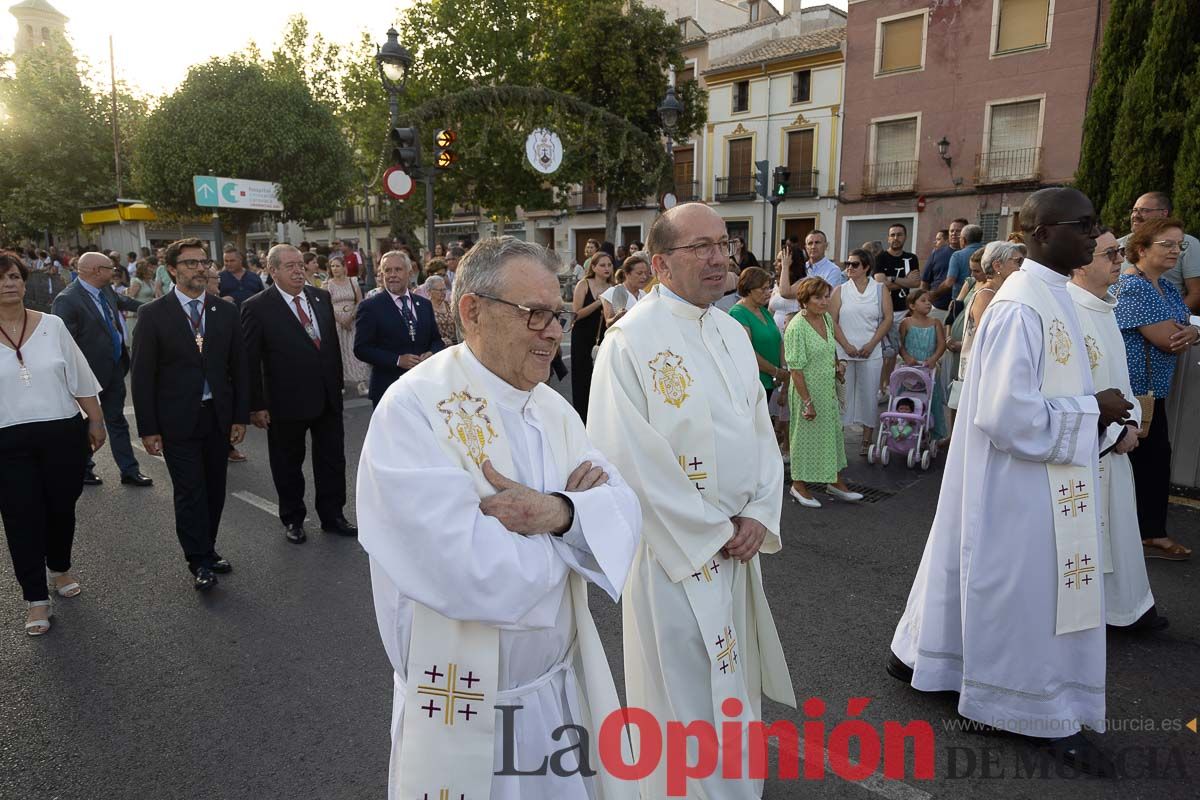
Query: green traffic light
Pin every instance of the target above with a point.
(780, 191)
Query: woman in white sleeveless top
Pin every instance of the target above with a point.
(862, 316)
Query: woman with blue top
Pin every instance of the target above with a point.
(1154, 323)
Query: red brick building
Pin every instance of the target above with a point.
(960, 108)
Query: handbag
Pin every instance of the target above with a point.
(1146, 401)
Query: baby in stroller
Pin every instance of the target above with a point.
(905, 429)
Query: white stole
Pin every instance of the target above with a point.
(1074, 496)
(684, 418)
(453, 665)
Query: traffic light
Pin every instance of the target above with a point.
(443, 156)
(783, 177)
(406, 148)
(762, 177)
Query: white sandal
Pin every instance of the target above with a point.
(72, 589)
(38, 627)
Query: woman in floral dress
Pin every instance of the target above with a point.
(346, 296)
(818, 444)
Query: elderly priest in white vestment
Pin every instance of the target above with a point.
(485, 511)
(1007, 608)
(677, 405)
(1128, 602)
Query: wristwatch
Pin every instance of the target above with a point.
(570, 514)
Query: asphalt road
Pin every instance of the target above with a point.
(275, 685)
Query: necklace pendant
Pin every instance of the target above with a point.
(26, 378)
(199, 343)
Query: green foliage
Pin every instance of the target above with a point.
(1124, 37)
(242, 119)
(56, 142)
(1186, 194)
(1149, 126)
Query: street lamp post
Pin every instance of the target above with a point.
(668, 113)
(394, 61)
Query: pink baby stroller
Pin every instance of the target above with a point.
(916, 385)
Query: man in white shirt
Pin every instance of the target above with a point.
(485, 512)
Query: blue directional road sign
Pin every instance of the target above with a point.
(214, 192)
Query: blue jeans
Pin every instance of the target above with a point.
(112, 403)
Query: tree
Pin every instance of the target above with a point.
(1149, 127)
(1186, 195)
(238, 118)
(56, 146)
(1124, 40)
(609, 54)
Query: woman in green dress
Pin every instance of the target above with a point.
(754, 287)
(818, 444)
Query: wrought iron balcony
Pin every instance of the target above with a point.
(734, 187)
(803, 183)
(1009, 166)
(890, 177)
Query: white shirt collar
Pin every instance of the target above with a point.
(497, 388)
(1046, 274)
(291, 297)
(184, 299)
(396, 297)
(1083, 297)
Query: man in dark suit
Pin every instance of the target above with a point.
(295, 368)
(191, 399)
(91, 311)
(395, 330)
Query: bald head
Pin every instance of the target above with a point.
(1060, 228)
(95, 268)
(689, 249)
(1048, 205)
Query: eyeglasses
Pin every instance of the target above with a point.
(1173, 245)
(539, 318)
(850, 264)
(1113, 254)
(705, 250)
(1084, 226)
(195, 263)
(1140, 210)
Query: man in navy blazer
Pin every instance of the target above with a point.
(395, 330)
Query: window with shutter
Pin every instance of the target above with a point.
(895, 166)
(685, 174)
(741, 96)
(740, 170)
(1012, 141)
(1022, 24)
(901, 44)
(686, 75)
(802, 86)
(800, 161)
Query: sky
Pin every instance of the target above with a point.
(155, 42)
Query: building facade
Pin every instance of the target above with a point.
(39, 24)
(960, 109)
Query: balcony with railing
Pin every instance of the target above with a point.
(890, 177)
(1009, 166)
(687, 191)
(733, 187)
(803, 183)
(585, 199)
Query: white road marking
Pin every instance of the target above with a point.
(876, 784)
(258, 502)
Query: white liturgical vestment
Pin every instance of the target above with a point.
(677, 405)
(981, 616)
(1126, 586)
(456, 581)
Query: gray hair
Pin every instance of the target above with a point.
(972, 234)
(273, 255)
(997, 253)
(394, 254)
(481, 271)
(435, 282)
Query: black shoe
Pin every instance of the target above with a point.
(295, 533)
(1080, 754)
(204, 578)
(340, 526)
(898, 669)
(135, 479)
(91, 479)
(219, 565)
(1147, 623)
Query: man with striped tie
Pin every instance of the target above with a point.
(296, 389)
